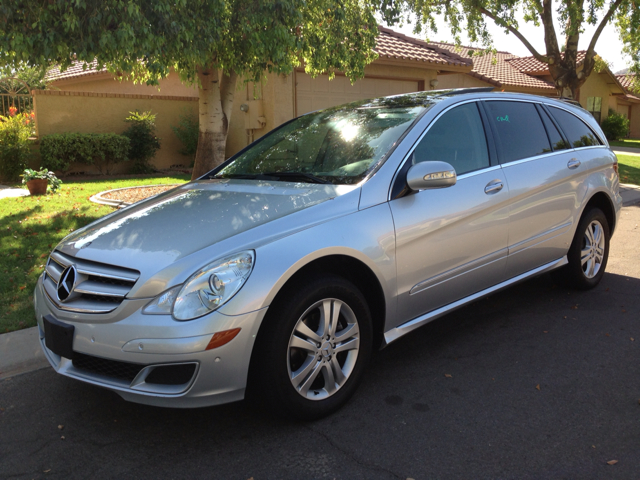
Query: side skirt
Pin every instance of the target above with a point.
(411, 325)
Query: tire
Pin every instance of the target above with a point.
(295, 371)
(589, 251)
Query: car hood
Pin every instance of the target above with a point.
(165, 228)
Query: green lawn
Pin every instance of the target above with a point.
(629, 169)
(31, 226)
(627, 142)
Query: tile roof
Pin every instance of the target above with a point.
(497, 69)
(533, 66)
(75, 70)
(391, 44)
(626, 80)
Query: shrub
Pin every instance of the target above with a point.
(187, 132)
(143, 140)
(15, 131)
(615, 126)
(59, 151)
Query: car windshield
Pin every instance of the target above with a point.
(339, 145)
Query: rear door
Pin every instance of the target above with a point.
(543, 183)
(451, 242)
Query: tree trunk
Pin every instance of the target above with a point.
(215, 103)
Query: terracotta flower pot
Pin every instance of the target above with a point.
(37, 186)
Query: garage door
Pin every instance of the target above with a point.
(318, 93)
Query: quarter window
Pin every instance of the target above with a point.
(577, 132)
(557, 142)
(519, 130)
(457, 138)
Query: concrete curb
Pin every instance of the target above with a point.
(20, 352)
(98, 197)
(630, 194)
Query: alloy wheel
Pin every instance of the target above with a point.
(323, 349)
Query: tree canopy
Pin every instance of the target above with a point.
(211, 42)
(560, 47)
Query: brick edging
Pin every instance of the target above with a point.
(63, 93)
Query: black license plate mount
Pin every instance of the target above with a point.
(58, 336)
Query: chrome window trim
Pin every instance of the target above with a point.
(478, 172)
(431, 124)
(537, 157)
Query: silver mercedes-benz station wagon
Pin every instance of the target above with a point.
(278, 273)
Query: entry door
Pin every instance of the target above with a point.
(451, 242)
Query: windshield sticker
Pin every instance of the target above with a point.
(503, 119)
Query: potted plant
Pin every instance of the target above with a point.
(37, 181)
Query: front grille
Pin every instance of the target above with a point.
(171, 374)
(99, 288)
(108, 368)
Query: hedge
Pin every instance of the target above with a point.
(59, 151)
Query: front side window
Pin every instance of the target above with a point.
(577, 132)
(338, 145)
(457, 138)
(519, 130)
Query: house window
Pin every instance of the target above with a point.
(594, 105)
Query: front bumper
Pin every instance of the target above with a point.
(129, 339)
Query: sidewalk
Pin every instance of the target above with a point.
(626, 151)
(20, 351)
(6, 191)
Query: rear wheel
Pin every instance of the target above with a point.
(589, 251)
(312, 349)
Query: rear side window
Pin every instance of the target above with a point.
(577, 132)
(519, 130)
(557, 142)
(457, 138)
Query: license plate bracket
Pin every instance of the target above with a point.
(58, 336)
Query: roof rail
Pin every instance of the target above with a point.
(460, 91)
(571, 101)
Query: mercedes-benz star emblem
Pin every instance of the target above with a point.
(67, 282)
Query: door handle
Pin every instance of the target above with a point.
(573, 163)
(493, 186)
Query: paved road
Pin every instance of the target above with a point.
(545, 383)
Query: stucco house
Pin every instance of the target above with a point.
(90, 100)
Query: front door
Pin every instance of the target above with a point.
(451, 242)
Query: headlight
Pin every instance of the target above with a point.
(206, 290)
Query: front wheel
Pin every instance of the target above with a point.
(589, 251)
(312, 349)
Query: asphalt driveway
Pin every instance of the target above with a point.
(534, 382)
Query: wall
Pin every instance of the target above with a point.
(85, 112)
(634, 121)
(72, 108)
(596, 86)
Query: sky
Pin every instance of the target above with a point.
(608, 47)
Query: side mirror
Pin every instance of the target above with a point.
(434, 174)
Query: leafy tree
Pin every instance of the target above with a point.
(560, 55)
(208, 42)
(32, 76)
